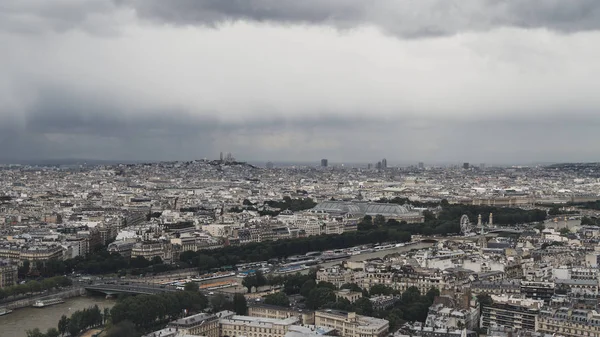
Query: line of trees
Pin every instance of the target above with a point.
(79, 321)
(147, 311)
(206, 260)
(590, 221)
(35, 286)
(133, 315)
(102, 262)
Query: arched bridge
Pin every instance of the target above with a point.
(504, 230)
(131, 288)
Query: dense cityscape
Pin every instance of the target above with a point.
(299, 168)
(223, 248)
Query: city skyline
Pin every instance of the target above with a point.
(432, 81)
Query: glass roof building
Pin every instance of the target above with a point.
(360, 209)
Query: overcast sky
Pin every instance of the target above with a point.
(495, 81)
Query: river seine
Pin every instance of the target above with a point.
(19, 321)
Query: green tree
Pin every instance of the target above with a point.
(23, 271)
(240, 305)
(380, 289)
(484, 299)
(379, 220)
(35, 333)
(428, 216)
(431, 294)
(364, 306)
(63, 323)
(123, 329)
(191, 286)
(278, 298)
(219, 302)
(249, 282)
(352, 287)
(327, 285)
(52, 332)
(260, 278)
(106, 315)
(307, 287)
(411, 295)
(74, 326)
(395, 319)
(565, 231)
(318, 297)
(540, 226)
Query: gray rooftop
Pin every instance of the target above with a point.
(364, 208)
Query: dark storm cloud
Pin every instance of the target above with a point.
(408, 18)
(67, 124)
(35, 16)
(61, 112)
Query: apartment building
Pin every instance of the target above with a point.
(349, 324)
(148, 250)
(422, 278)
(8, 275)
(372, 278)
(123, 247)
(31, 253)
(538, 290)
(496, 288)
(569, 322)
(339, 276)
(306, 317)
(249, 326)
(200, 324)
(349, 295)
(518, 314)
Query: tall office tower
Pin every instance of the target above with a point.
(482, 166)
(384, 163)
(269, 165)
(323, 162)
(369, 166)
(421, 165)
(378, 165)
(466, 166)
(221, 156)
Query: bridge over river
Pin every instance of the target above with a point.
(128, 288)
(143, 289)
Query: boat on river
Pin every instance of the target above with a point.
(48, 302)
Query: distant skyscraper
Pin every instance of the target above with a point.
(221, 156)
(384, 163)
(466, 166)
(421, 165)
(369, 166)
(378, 165)
(324, 162)
(482, 166)
(269, 165)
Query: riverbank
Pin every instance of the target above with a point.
(28, 302)
(19, 321)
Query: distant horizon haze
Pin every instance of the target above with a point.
(437, 81)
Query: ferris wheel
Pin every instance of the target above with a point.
(465, 225)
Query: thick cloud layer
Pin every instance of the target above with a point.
(406, 18)
(435, 81)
